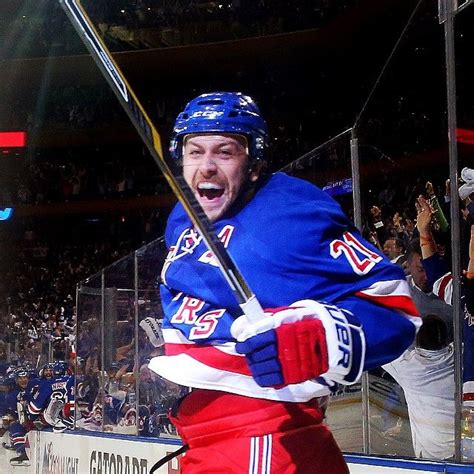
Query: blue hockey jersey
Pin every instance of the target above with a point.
(291, 242)
(60, 388)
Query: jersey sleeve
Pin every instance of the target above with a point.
(386, 331)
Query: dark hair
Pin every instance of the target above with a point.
(400, 243)
(433, 333)
(413, 248)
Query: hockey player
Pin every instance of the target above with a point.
(8, 406)
(16, 409)
(6, 385)
(52, 404)
(337, 305)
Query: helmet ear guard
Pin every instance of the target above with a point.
(222, 112)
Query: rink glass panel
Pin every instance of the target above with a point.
(119, 347)
(402, 145)
(156, 396)
(116, 392)
(89, 399)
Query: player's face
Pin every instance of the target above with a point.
(216, 167)
(47, 373)
(22, 381)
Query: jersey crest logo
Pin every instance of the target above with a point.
(224, 236)
(185, 245)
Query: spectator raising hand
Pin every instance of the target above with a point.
(439, 220)
(423, 224)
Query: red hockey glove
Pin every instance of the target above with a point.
(304, 341)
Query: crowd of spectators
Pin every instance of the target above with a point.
(102, 174)
(145, 24)
(38, 295)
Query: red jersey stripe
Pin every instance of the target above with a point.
(402, 302)
(211, 356)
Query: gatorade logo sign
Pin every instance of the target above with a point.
(112, 463)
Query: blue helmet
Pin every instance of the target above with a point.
(60, 368)
(24, 372)
(227, 112)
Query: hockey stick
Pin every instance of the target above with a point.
(84, 27)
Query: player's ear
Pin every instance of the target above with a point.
(255, 170)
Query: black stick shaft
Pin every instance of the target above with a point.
(151, 138)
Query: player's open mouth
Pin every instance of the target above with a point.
(210, 190)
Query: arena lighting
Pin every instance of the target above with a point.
(12, 139)
(464, 135)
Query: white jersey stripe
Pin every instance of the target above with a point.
(184, 370)
(267, 454)
(253, 467)
(388, 288)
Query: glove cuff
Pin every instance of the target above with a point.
(345, 342)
